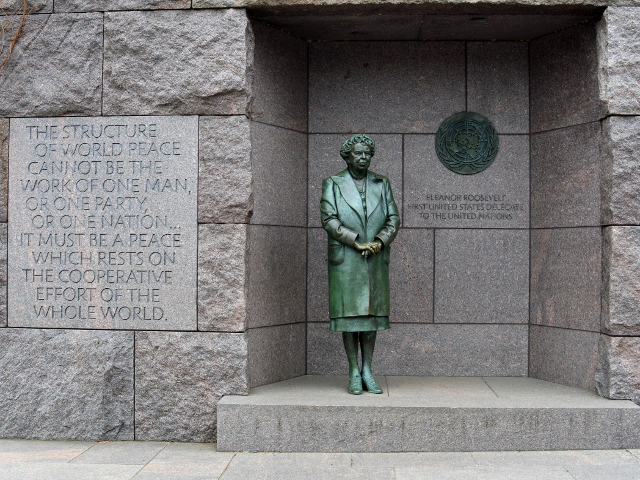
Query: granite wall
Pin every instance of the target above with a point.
(248, 88)
(618, 39)
(459, 276)
(566, 234)
(516, 294)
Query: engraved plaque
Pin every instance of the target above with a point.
(103, 222)
(466, 143)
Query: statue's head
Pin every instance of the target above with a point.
(361, 138)
(357, 152)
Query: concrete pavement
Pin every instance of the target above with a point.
(64, 460)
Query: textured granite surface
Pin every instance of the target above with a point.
(428, 349)
(224, 177)
(277, 271)
(565, 177)
(481, 276)
(103, 234)
(279, 168)
(180, 377)
(498, 84)
(279, 79)
(618, 371)
(497, 197)
(563, 356)
(620, 171)
(276, 353)
(66, 384)
(4, 167)
(184, 62)
(107, 5)
(564, 83)
(3, 275)
(55, 67)
(325, 160)
(566, 278)
(222, 277)
(477, 414)
(33, 6)
(621, 280)
(619, 63)
(378, 87)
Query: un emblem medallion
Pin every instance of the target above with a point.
(466, 143)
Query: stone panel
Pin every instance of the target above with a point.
(277, 270)
(325, 160)
(497, 197)
(33, 6)
(495, 27)
(180, 377)
(348, 27)
(4, 167)
(279, 166)
(378, 87)
(410, 276)
(317, 276)
(431, 350)
(66, 384)
(482, 276)
(620, 171)
(111, 242)
(618, 371)
(184, 62)
(224, 179)
(498, 84)
(107, 5)
(55, 67)
(566, 278)
(222, 277)
(3, 275)
(621, 281)
(619, 63)
(280, 79)
(563, 356)
(563, 80)
(565, 177)
(276, 353)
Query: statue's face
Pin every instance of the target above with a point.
(359, 159)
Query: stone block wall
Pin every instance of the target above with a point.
(618, 372)
(566, 237)
(93, 59)
(459, 283)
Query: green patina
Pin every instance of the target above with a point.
(466, 143)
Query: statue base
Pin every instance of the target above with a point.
(315, 413)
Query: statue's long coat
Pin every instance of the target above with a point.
(358, 285)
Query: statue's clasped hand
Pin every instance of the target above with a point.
(369, 248)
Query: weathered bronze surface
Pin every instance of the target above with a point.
(361, 219)
(466, 143)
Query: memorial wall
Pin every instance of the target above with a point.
(161, 170)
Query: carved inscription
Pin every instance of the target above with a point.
(103, 222)
(479, 207)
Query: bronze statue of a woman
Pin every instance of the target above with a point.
(361, 219)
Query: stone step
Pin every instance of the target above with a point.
(417, 414)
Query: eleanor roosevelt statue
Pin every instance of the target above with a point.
(361, 218)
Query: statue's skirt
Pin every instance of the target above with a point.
(365, 323)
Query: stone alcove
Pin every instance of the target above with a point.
(519, 297)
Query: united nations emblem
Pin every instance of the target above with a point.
(466, 143)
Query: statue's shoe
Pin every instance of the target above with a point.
(370, 384)
(355, 385)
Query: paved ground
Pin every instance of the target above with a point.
(31, 459)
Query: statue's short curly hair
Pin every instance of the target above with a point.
(357, 138)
